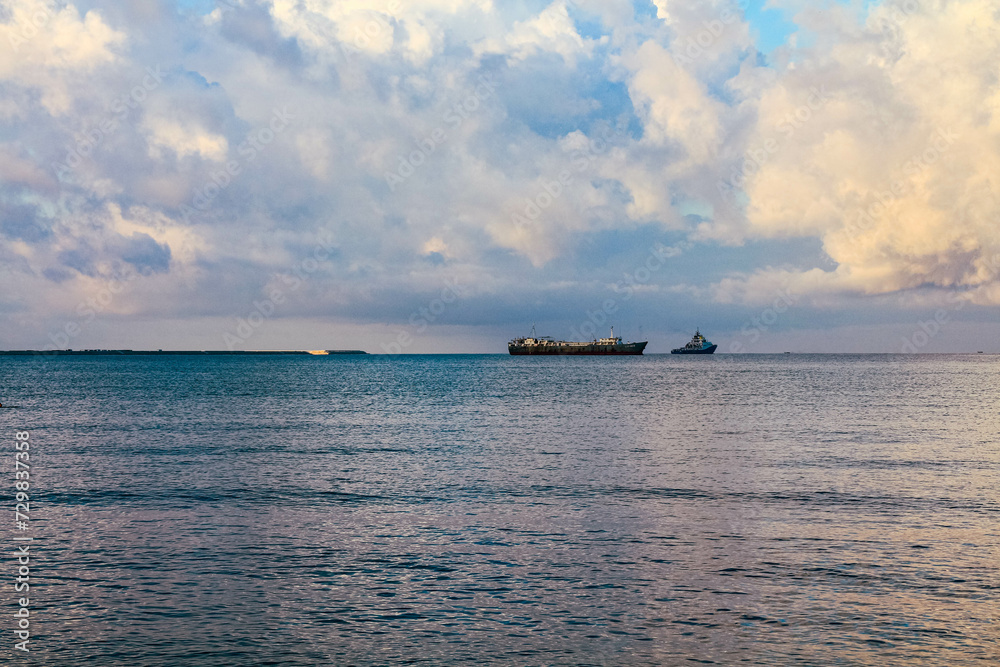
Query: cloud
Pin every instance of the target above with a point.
(49, 46)
(16, 167)
(532, 155)
(675, 106)
(898, 171)
(22, 223)
(551, 31)
(183, 139)
(143, 253)
(336, 31)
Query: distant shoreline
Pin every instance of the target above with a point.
(323, 353)
(89, 353)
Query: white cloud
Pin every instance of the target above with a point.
(552, 31)
(676, 107)
(334, 30)
(898, 172)
(45, 47)
(183, 140)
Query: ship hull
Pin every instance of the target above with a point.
(593, 349)
(706, 350)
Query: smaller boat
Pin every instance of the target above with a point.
(698, 345)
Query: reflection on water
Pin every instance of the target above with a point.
(431, 510)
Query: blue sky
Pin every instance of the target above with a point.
(770, 26)
(436, 176)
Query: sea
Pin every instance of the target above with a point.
(494, 510)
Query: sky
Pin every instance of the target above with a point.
(405, 176)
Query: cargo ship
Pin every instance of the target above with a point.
(612, 345)
(698, 345)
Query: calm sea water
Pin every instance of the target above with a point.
(757, 509)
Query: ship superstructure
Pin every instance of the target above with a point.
(698, 345)
(534, 344)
